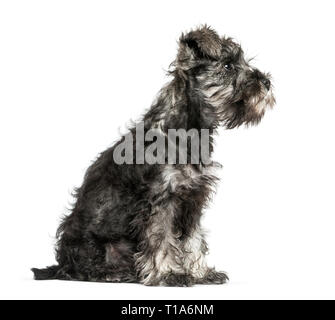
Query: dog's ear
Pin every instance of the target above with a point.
(203, 42)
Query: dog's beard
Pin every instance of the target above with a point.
(248, 109)
(233, 105)
(260, 102)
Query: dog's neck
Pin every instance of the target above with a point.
(179, 105)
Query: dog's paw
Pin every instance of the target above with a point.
(213, 277)
(177, 280)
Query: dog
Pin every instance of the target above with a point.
(141, 222)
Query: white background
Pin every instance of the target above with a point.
(73, 72)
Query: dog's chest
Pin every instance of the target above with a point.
(186, 178)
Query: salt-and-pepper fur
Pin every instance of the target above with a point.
(141, 222)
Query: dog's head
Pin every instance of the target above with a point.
(231, 91)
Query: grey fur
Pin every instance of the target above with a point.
(141, 223)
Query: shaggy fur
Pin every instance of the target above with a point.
(141, 222)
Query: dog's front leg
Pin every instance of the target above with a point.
(195, 251)
(161, 259)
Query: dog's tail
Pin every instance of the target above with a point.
(47, 273)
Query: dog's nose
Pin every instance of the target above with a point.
(266, 82)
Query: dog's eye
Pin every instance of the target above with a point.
(229, 66)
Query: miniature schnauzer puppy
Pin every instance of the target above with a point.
(141, 222)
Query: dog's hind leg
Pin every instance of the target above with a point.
(99, 260)
(119, 259)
